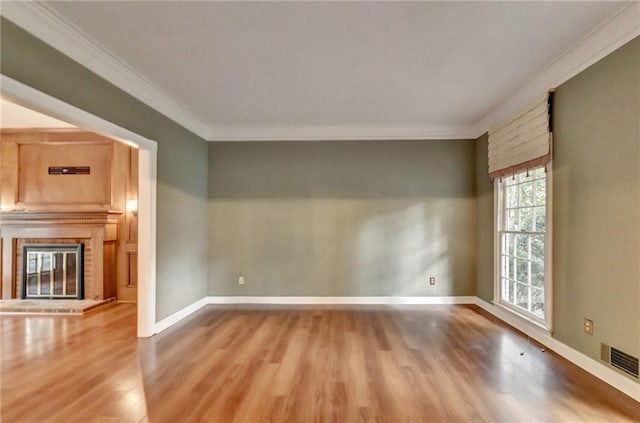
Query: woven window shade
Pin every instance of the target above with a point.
(523, 142)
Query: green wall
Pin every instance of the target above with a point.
(484, 225)
(182, 158)
(348, 218)
(596, 206)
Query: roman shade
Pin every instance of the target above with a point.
(522, 142)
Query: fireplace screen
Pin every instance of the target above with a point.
(52, 271)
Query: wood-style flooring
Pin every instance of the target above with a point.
(293, 364)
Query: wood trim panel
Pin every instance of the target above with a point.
(8, 173)
(26, 185)
(128, 232)
(132, 269)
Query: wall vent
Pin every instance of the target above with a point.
(619, 359)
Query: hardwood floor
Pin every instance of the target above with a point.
(293, 364)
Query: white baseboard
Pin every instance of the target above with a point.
(340, 300)
(599, 370)
(192, 308)
(180, 314)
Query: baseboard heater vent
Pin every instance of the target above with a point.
(619, 359)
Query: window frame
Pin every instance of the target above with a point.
(498, 194)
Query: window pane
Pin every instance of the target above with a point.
(525, 198)
(512, 269)
(537, 274)
(539, 192)
(540, 219)
(537, 301)
(522, 295)
(512, 196)
(504, 262)
(537, 247)
(514, 248)
(511, 293)
(510, 244)
(522, 246)
(526, 219)
(522, 270)
(512, 220)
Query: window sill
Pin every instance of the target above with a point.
(524, 319)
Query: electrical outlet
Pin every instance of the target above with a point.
(432, 280)
(588, 326)
(241, 280)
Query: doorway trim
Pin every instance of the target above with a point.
(147, 181)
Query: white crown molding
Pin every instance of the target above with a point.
(44, 23)
(612, 34)
(337, 133)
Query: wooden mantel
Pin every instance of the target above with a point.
(98, 229)
(30, 218)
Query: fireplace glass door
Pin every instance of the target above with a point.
(52, 271)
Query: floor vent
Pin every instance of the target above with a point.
(619, 359)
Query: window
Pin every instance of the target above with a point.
(523, 241)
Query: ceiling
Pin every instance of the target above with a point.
(15, 116)
(334, 70)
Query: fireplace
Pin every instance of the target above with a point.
(52, 271)
(86, 240)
